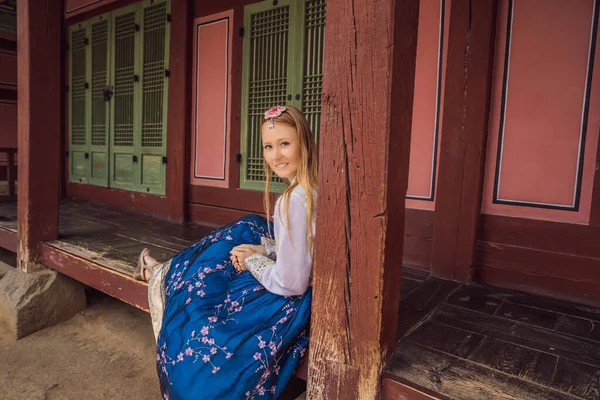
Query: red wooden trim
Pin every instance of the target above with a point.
(396, 388)
(558, 237)
(356, 283)
(546, 263)
(463, 138)
(178, 121)
(557, 287)
(239, 199)
(94, 9)
(11, 173)
(8, 240)
(595, 211)
(8, 93)
(214, 216)
(115, 284)
(39, 125)
(152, 205)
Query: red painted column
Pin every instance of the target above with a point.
(463, 140)
(369, 72)
(179, 108)
(39, 125)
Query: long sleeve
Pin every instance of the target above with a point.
(289, 275)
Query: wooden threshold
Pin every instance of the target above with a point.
(8, 239)
(111, 282)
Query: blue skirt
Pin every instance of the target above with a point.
(223, 335)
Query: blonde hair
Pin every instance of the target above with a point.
(306, 176)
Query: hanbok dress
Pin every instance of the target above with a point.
(223, 334)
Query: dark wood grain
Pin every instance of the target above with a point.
(515, 360)
(461, 379)
(525, 335)
(422, 302)
(573, 377)
(466, 93)
(38, 125)
(580, 327)
(396, 388)
(447, 339)
(371, 54)
(476, 298)
(528, 315)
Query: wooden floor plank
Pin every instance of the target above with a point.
(460, 379)
(533, 337)
(515, 360)
(580, 327)
(476, 298)
(421, 302)
(446, 339)
(528, 315)
(573, 377)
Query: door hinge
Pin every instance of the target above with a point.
(242, 31)
(164, 160)
(134, 158)
(238, 158)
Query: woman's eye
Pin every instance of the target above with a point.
(268, 147)
(284, 144)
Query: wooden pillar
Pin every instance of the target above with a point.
(366, 122)
(178, 122)
(595, 211)
(39, 122)
(463, 140)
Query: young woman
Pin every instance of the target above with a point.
(231, 313)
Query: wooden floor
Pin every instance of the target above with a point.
(480, 342)
(454, 341)
(112, 238)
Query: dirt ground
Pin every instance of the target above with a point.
(105, 352)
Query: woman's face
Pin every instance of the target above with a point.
(281, 149)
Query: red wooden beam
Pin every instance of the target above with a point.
(595, 211)
(366, 122)
(11, 172)
(396, 388)
(463, 139)
(178, 122)
(115, 284)
(39, 125)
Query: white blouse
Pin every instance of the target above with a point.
(286, 268)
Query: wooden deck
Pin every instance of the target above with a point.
(454, 341)
(99, 246)
(480, 342)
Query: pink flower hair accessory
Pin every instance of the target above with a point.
(271, 113)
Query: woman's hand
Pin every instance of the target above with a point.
(243, 251)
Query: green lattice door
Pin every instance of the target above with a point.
(125, 105)
(100, 68)
(154, 89)
(282, 64)
(88, 125)
(118, 98)
(79, 101)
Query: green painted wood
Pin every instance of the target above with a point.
(264, 81)
(78, 103)
(154, 96)
(282, 64)
(125, 102)
(313, 63)
(100, 112)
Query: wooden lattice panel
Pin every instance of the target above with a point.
(268, 79)
(124, 79)
(78, 87)
(313, 69)
(99, 82)
(155, 21)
